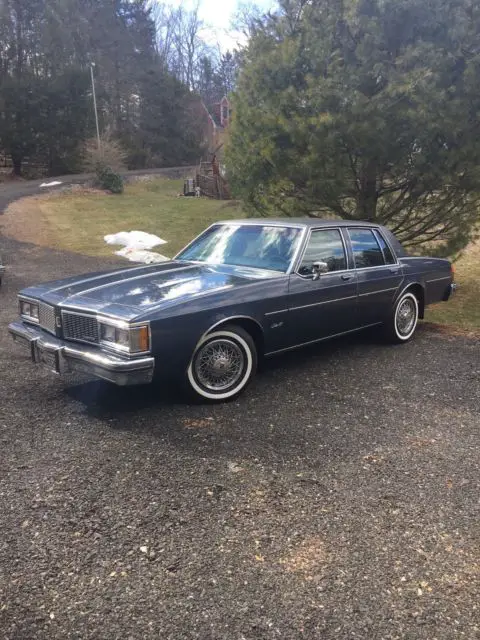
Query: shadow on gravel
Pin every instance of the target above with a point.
(105, 401)
(312, 404)
(102, 399)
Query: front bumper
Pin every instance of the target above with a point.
(61, 356)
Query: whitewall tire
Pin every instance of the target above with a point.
(403, 321)
(222, 364)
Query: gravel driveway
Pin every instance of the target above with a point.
(338, 498)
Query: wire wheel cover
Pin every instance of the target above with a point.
(219, 364)
(406, 316)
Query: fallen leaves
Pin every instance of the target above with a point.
(443, 330)
(308, 558)
(198, 424)
(417, 442)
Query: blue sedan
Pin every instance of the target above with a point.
(240, 291)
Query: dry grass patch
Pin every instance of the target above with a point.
(463, 310)
(78, 220)
(23, 221)
(448, 331)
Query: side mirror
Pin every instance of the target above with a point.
(318, 268)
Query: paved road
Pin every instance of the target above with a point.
(338, 498)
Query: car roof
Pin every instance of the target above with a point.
(301, 222)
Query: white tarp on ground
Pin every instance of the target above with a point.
(140, 255)
(134, 239)
(136, 246)
(50, 184)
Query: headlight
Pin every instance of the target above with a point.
(124, 338)
(29, 310)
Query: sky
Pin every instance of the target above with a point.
(217, 14)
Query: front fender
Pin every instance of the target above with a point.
(174, 340)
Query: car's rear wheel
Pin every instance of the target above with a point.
(403, 321)
(222, 364)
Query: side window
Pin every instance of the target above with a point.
(366, 250)
(324, 245)
(389, 258)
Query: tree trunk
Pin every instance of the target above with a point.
(368, 196)
(17, 164)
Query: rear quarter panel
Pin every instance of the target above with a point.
(434, 274)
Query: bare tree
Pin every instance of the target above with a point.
(164, 18)
(180, 41)
(247, 18)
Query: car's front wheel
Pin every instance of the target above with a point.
(403, 321)
(222, 364)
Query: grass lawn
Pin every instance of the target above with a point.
(463, 310)
(78, 221)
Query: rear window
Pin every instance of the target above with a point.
(389, 257)
(394, 243)
(366, 250)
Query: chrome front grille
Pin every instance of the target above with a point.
(77, 326)
(46, 317)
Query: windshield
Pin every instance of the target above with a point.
(251, 245)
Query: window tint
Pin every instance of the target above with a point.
(389, 259)
(324, 245)
(366, 250)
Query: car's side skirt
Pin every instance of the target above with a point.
(333, 335)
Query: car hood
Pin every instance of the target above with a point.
(132, 292)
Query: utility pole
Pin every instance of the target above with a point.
(92, 64)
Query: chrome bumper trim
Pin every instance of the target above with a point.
(62, 357)
(450, 291)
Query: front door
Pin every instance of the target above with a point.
(379, 274)
(325, 305)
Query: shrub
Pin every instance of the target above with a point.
(109, 179)
(106, 161)
(111, 154)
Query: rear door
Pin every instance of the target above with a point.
(325, 306)
(379, 274)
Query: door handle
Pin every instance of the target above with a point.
(394, 269)
(347, 276)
